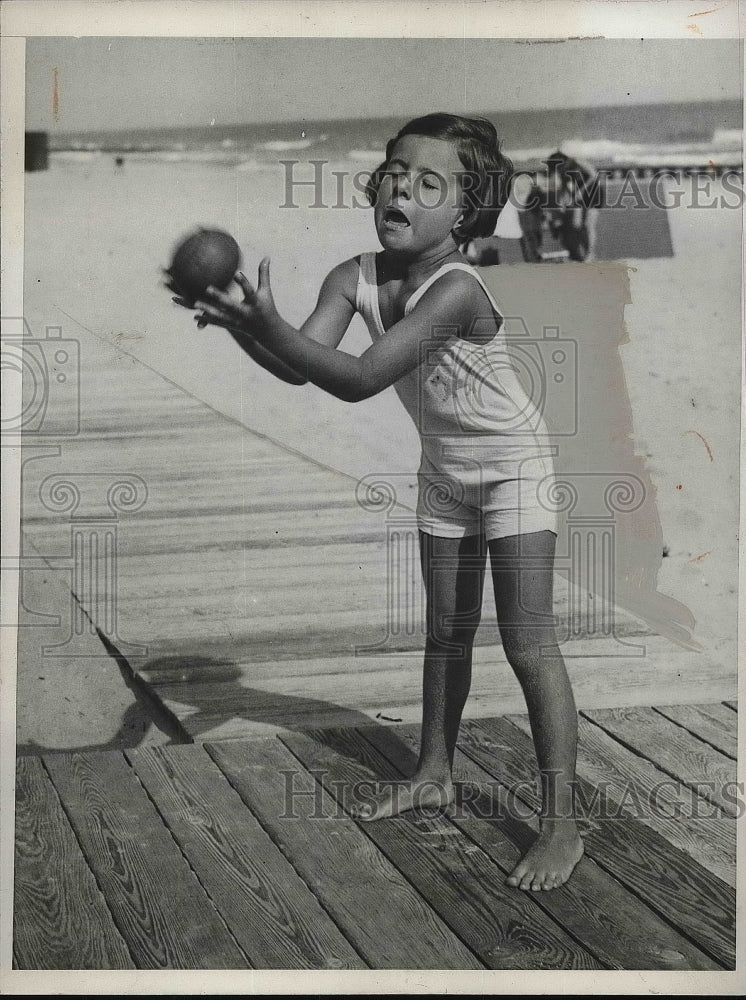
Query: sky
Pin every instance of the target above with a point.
(150, 82)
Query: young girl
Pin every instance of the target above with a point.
(437, 338)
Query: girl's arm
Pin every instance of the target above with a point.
(446, 309)
(327, 324)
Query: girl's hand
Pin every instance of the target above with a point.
(178, 296)
(252, 316)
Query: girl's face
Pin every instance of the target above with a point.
(420, 196)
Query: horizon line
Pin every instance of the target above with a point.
(373, 118)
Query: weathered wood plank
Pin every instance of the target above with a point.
(233, 698)
(505, 928)
(204, 447)
(161, 910)
(638, 788)
(245, 623)
(612, 923)
(378, 910)
(272, 914)
(268, 567)
(60, 919)
(367, 558)
(336, 634)
(711, 774)
(669, 881)
(715, 724)
(219, 727)
(193, 668)
(217, 536)
(308, 657)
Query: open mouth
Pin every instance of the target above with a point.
(393, 218)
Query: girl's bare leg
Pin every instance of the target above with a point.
(522, 570)
(453, 572)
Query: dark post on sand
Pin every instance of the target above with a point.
(37, 151)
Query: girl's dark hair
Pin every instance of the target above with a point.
(487, 172)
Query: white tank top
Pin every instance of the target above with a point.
(463, 389)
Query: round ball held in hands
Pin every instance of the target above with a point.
(207, 257)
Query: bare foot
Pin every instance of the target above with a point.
(549, 861)
(396, 797)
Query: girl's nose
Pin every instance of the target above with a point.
(403, 184)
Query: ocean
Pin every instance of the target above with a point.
(688, 133)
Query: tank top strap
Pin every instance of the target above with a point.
(366, 294)
(366, 277)
(453, 266)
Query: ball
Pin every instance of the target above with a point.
(207, 257)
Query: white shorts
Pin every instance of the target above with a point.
(496, 496)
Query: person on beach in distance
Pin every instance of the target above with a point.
(571, 186)
(437, 338)
(529, 198)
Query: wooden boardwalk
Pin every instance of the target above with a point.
(251, 575)
(243, 588)
(238, 854)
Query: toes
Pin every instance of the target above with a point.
(527, 880)
(560, 879)
(361, 810)
(516, 875)
(369, 815)
(537, 881)
(556, 879)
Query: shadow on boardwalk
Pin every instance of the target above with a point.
(213, 686)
